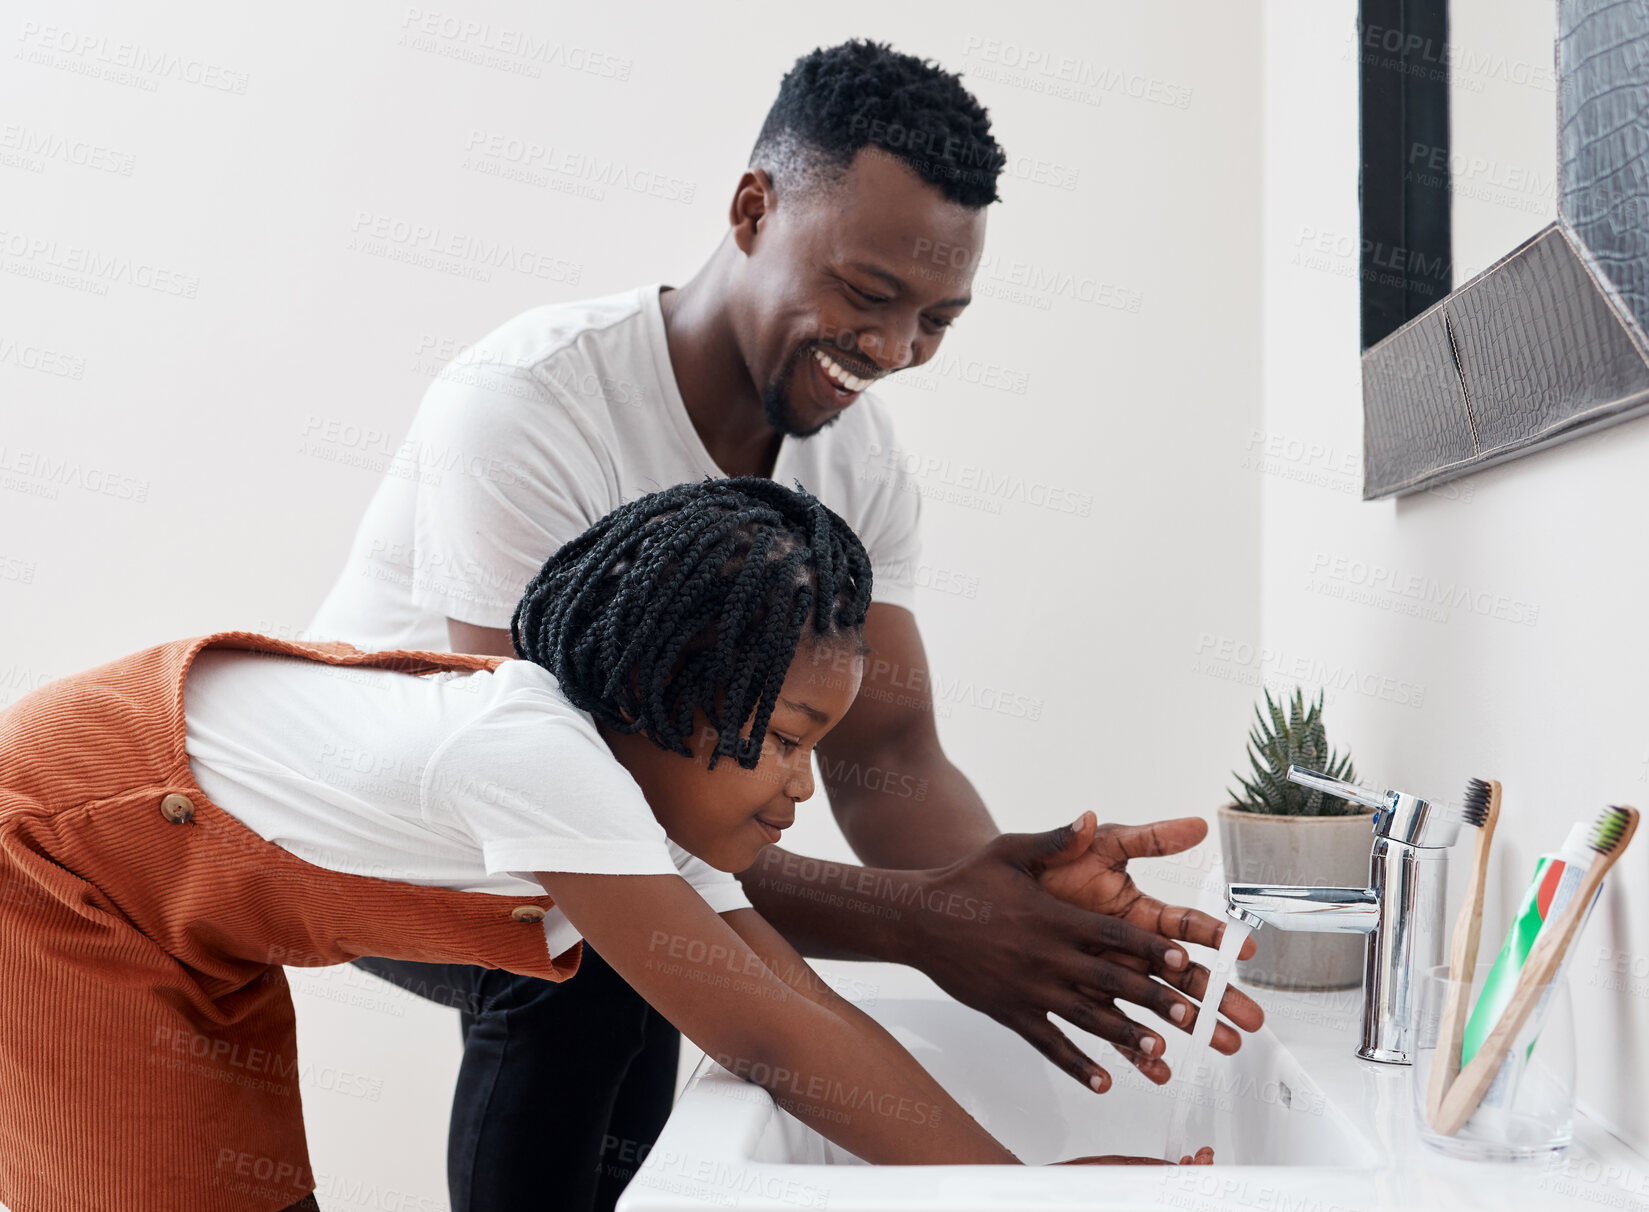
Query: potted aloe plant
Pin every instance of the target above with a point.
(1277, 832)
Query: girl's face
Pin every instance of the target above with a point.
(726, 815)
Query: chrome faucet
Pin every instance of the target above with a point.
(1401, 910)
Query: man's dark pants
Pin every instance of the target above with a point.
(563, 1087)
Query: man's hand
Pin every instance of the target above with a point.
(1098, 880)
(1037, 955)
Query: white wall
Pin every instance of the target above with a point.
(1502, 153)
(1535, 680)
(230, 393)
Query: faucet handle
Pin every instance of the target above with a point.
(1397, 815)
(1318, 781)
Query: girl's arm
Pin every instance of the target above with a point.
(824, 1061)
(785, 962)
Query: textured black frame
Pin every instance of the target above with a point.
(1403, 90)
(1549, 342)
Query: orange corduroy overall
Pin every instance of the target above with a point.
(148, 1058)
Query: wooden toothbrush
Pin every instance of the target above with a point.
(1610, 837)
(1482, 809)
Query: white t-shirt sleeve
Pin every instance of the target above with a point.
(538, 790)
(893, 541)
(506, 474)
(721, 890)
(882, 503)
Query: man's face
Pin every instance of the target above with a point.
(842, 290)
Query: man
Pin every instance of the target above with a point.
(852, 242)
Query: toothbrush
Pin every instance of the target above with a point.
(1610, 837)
(1482, 809)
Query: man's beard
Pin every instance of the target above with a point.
(776, 402)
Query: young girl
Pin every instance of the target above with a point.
(178, 824)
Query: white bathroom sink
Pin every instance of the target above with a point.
(1259, 1109)
(1295, 1120)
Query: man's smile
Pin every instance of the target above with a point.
(840, 375)
(834, 386)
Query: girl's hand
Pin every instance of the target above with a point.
(1204, 1157)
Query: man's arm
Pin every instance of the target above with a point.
(899, 800)
(481, 641)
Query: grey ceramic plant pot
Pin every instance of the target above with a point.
(1322, 850)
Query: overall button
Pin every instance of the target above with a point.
(179, 809)
(527, 913)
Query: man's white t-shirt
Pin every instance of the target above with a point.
(463, 780)
(542, 428)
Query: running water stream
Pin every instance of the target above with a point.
(1194, 1069)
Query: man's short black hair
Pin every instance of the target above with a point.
(834, 103)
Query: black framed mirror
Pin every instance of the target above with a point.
(1470, 137)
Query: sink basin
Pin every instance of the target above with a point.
(727, 1142)
(1255, 1108)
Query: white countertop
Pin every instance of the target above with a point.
(1321, 1029)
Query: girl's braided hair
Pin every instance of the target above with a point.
(693, 599)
